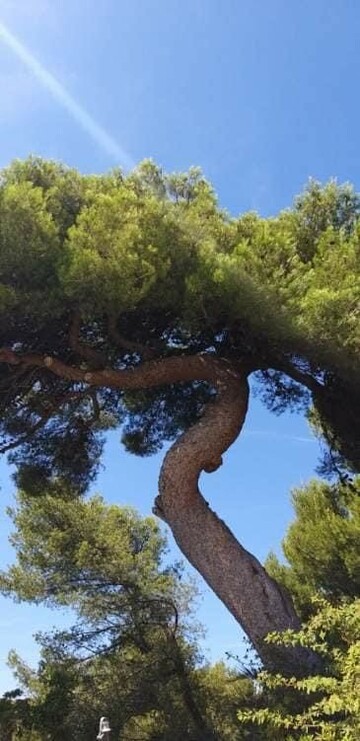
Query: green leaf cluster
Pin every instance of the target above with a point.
(321, 545)
(322, 574)
(328, 707)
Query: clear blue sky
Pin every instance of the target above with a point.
(261, 94)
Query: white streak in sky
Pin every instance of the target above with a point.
(59, 92)
(280, 436)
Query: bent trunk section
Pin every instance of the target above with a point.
(255, 600)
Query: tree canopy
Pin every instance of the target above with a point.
(321, 546)
(132, 652)
(136, 301)
(322, 573)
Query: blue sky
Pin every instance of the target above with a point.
(262, 94)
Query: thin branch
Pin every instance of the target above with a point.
(136, 348)
(54, 407)
(305, 379)
(94, 357)
(25, 438)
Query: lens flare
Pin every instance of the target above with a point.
(61, 95)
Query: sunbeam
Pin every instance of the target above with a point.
(59, 92)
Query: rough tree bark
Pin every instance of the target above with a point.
(255, 600)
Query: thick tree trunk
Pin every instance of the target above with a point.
(256, 601)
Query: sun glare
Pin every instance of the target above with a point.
(104, 140)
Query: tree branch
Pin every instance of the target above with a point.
(136, 348)
(94, 357)
(24, 438)
(304, 379)
(47, 414)
(151, 373)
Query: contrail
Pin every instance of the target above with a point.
(59, 92)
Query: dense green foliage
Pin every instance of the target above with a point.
(327, 706)
(323, 575)
(148, 264)
(132, 653)
(322, 545)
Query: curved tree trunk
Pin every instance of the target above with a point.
(255, 600)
